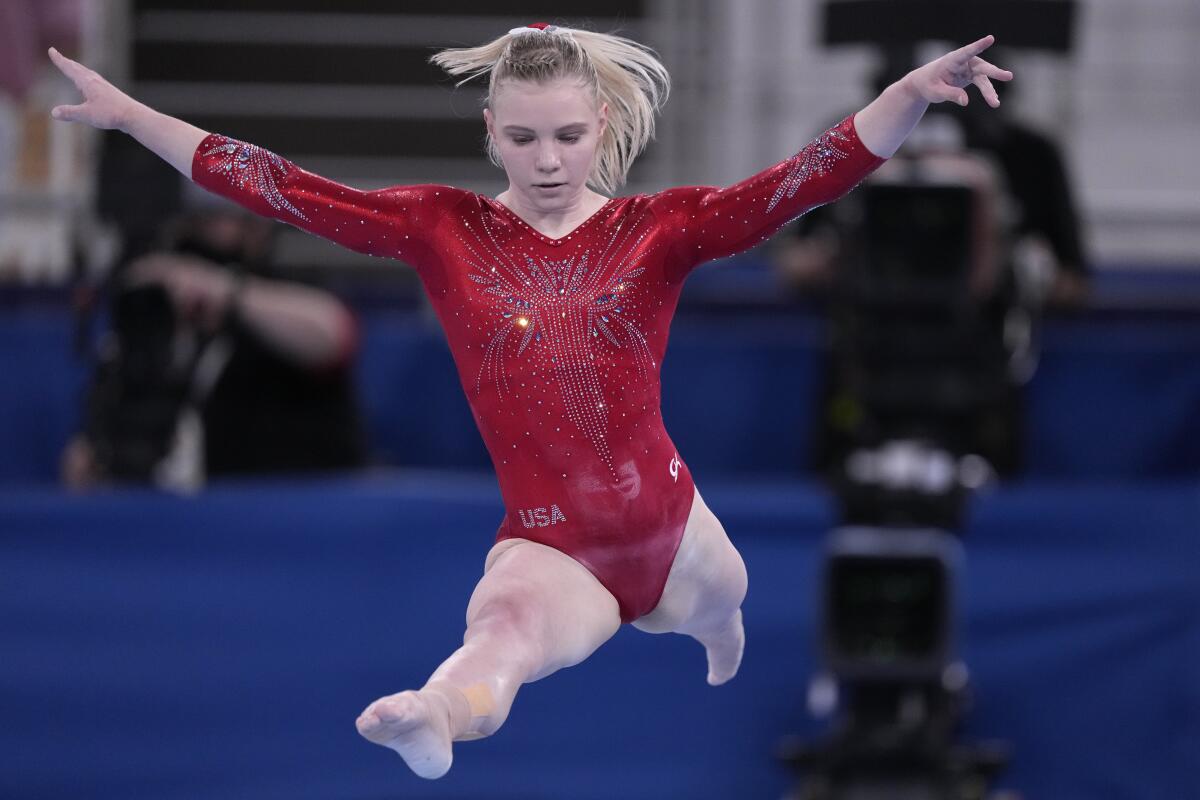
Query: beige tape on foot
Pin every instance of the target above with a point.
(479, 698)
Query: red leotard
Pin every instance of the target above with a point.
(559, 342)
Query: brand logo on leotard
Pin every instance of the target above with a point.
(541, 517)
(674, 466)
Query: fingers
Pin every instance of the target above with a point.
(951, 94)
(987, 90)
(95, 108)
(72, 69)
(81, 76)
(59, 59)
(990, 70)
(981, 74)
(68, 113)
(975, 48)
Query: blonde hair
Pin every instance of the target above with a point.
(620, 72)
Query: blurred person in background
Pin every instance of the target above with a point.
(1025, 255)
(214, 367)
(1038, 234)
(556, 301)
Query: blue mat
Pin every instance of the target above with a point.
(221, 646)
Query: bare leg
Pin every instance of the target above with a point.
(703, 595)
(535, 611)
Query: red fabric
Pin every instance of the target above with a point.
(559, 342)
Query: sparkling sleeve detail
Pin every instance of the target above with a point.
(817, 159)
(707, 222)
(249, 167)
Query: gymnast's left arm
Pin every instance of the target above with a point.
(890, 118)
(708, 222)
(704, 222)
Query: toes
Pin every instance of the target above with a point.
(725, 652)
(722, 667)
(391, 709)
(404, 723)
(721, 670)
(388, 717)
(370, 727)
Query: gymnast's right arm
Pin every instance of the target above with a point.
(107, 107)
(390, 222)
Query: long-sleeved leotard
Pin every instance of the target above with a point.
(559, 342)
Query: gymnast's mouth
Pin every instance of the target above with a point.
(549, 185)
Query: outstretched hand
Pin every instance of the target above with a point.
(104, 105)
(948, 77)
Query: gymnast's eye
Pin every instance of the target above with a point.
(570, 138)
(522, 139)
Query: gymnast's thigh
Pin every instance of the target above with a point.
(707, 581)
(561, 607)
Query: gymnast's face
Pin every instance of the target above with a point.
(547, 135)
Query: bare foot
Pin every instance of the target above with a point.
(414, 724)
(724, 648)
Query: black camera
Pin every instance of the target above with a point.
(887, 602)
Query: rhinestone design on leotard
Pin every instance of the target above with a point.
(564, 313)
(574, 357)
(248, 164)
(817, 158)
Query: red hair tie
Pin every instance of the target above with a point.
(543, 27)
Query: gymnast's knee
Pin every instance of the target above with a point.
(516, 624)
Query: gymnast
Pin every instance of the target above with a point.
(556, 299)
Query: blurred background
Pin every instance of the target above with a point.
(952, 422)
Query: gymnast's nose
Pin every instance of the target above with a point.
(548, 160)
